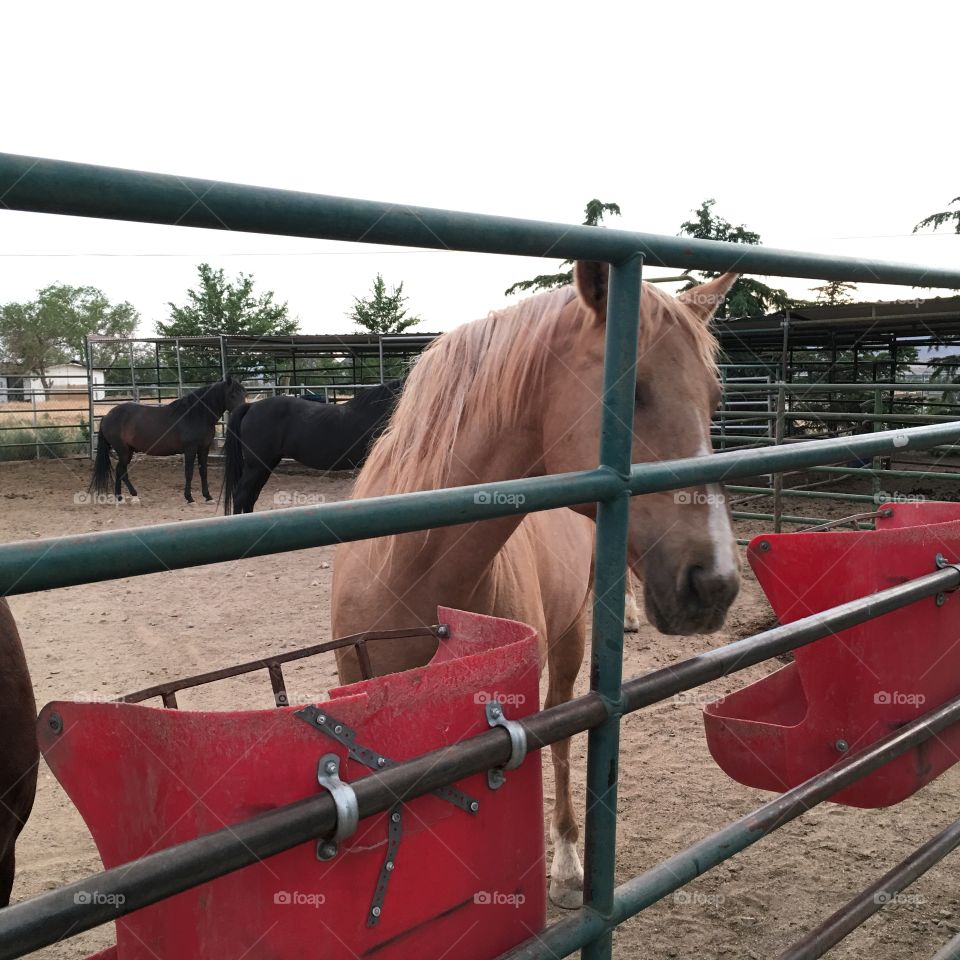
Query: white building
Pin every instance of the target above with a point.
(63, 378)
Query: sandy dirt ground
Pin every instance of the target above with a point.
(105, 639)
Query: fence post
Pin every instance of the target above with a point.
(606, 652)
(91, 396)
(135, 390)
(176, 343)
(36, 434)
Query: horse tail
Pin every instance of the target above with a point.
(233, 457)
(102, 479)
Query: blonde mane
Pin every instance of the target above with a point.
(486, 371)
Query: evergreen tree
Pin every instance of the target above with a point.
(594, 213)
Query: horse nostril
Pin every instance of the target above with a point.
(709, 588)
(695, 582)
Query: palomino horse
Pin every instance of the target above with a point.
(326, 436)
(185, 426)
(19, 754)
(518, 395)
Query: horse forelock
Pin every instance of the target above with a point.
(660, 309)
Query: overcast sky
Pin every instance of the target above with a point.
(823, 126)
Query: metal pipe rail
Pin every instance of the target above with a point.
(870, 901)
(586, 924)
(50, 917)
(949, 951)
(32, 565)
(51, 186)
(42, 185)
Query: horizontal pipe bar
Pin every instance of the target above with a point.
(811, 494)
(27, 566)
(720, 467)
(867, 386)
(49, 917)
(42, 185)
(949, 951)
(784, 518)
(886, 472)
(571, 933)
(863, 906)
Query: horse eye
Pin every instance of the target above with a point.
(640, 395)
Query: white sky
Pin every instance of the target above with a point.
(823, 126)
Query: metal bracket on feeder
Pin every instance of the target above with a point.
(496, 777)
(344, 799)
(942, 564)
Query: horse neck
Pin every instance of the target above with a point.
(213, 401)
(458, 560)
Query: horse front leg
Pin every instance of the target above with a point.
(564, 658)
(202, 463)
(631, 612)
(188, 457)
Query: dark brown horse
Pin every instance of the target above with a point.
(18, 746)
(185, 426)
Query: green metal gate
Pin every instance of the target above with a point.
(38, 185)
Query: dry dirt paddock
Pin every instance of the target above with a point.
(106, 639)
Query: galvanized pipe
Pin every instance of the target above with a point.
(33, 565)
(863, 906)
(50, 917)
(565, 936)
(606, 648)
(949, 951)
(40, 185)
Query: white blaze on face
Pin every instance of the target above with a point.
(718, 523)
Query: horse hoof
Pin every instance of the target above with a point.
(207, 497)
(631, 625)
(566, 895)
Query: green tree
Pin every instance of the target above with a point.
(383, 313)
(937, 220)
(53, 328)
(594, 213)
(221, 307)
(834, 292)
(748, 297)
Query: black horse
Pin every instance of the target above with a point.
(326, 436)
(185, 426)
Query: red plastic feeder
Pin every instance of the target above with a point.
(848, 690)
(470, 880)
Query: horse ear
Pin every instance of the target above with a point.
(705, 299)
(591, 280)
(229, 378)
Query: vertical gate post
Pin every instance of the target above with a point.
(91, 398)
(606, 652)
